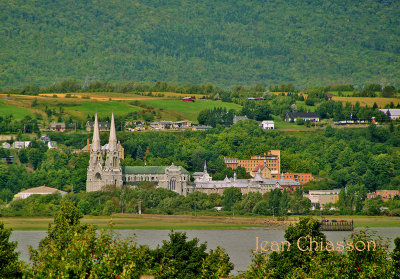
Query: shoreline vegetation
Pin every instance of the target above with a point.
(188, 222)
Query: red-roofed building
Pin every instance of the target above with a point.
(188, 99)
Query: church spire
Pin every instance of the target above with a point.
(112, 142)
(205, 166)
(96, 135)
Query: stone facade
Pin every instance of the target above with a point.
(102, 173)
(205, 184)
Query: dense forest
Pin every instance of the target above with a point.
(240, 42)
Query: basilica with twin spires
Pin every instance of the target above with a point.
(103, 172)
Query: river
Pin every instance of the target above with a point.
(237, 243)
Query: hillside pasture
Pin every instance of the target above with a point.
(188, 110)
(103, 109)
(7, 108)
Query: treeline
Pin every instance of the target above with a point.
(152, 200)
(225, 94)
(73, 86)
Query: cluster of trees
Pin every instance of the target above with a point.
(257, 110)
(72, 250)
(373, 89)
(39, 166)
(27, 125)
(216, 116)
(337, 111)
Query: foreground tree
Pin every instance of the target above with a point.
(182, 258)
(72, 250)
(10, 266)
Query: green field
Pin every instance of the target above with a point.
(103, 109)
(15, 111)
(283, 125)
(186, 110)
(143, 222)
(302, 104)
(187, 222)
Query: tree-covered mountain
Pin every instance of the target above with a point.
(223, 42)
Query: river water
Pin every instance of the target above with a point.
(238, 243)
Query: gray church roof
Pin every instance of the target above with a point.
(148, 170)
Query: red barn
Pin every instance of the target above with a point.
(188, 99)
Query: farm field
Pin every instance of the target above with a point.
(188, 110)
(282, 125)
(105, 96)
(79, 105)
(381, 102)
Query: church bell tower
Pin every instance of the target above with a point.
(112, 168)
(95, 169)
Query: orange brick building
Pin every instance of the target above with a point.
(384, 194)
(299, 177)
(272, 159)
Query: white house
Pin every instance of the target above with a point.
(394, 113)
(41, 190)
(267, 125)
(21, 144)
(322, 197)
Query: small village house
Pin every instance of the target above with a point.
(267, 125)
(57, 126)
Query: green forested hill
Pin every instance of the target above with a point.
(223, 42)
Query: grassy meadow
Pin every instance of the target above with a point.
(79, 105)
(7, 108)
(143, 222)
(188, 222)
(103, 109)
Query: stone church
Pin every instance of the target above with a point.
(108, 171)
